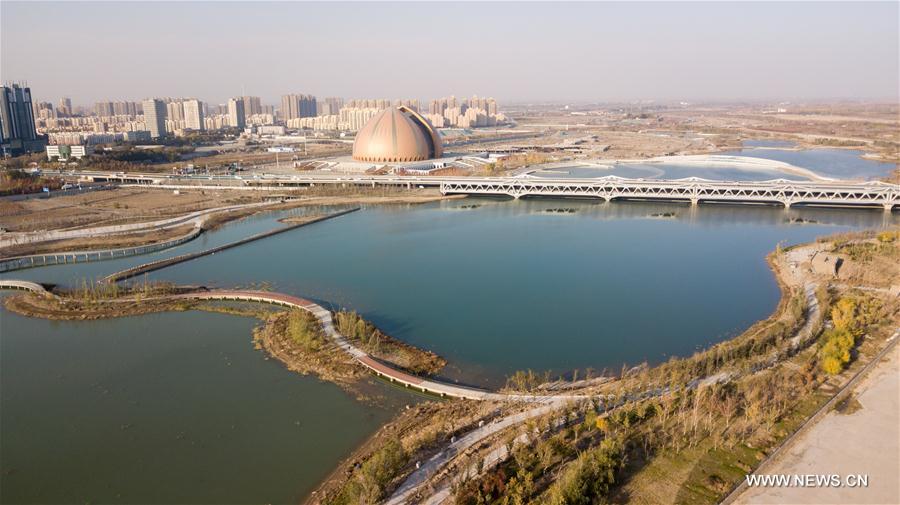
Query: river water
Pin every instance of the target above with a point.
(180, 408)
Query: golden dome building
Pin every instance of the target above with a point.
(397, 134)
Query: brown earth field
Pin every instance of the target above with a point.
(127, 205)
(115, 206)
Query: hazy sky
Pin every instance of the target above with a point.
(511, 51)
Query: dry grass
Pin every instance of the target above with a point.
(114, 206)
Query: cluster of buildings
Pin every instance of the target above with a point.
(27, 125)
(469, 113)
(92, 138)
(351, 115)
(296, 106)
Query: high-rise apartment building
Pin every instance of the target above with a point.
(175, 110)
(103, 109)
(468, 113)
(297, 106)
(252, 105)
(124, 108)
(380, 103)
(329, 106)
(410, 103)
(43, 110)
(193, 115)
(17, 132)
(155, 117)
(64, 107)
(236, 114)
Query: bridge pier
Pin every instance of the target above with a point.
(695, 202)
(888, 206)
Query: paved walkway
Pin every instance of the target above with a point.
(39, 260)
(425, 471)
(866, 442)
(379, 368)
(196, 218)
(22, 285)
(412, 485)
(324, 316)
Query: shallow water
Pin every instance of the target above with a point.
(836, 163)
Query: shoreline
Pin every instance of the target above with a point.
(105, 301)
(341, 475)
(213, 221)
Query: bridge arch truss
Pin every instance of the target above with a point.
(782, 192)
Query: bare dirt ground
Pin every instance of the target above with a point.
(116, 206)
(864, 442)
(874, 128)
(633, 132)
(127, 205)
(253, 158)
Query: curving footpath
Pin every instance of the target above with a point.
(22, 286)
(62, 258)
(380, 369)
(414, 482)
(196, 217)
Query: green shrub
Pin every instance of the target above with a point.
(589, 478)
(304, 329)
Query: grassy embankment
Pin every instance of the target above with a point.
(689, 445)
(695, 444)
(296, 338)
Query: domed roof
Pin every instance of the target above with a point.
(397, 134)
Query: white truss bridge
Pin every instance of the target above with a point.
(694, 190)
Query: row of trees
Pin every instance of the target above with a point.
(18, 182)
(583, 462)
(89, 291)
(371, 481)
(353, 326)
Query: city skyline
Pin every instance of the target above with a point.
(635, 52)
